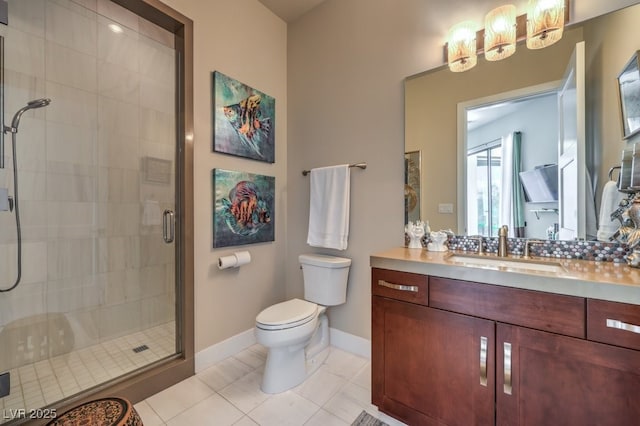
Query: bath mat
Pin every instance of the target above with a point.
(366, 419)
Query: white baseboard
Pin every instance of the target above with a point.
(235, 344)
(229, 347)
(350, 342)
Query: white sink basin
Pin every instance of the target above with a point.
(505, 263)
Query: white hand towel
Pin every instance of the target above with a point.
(611, 198)
(329, 207)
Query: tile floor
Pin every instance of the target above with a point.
(228, 393)
(44, 382)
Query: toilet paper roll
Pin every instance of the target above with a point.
(235, 260)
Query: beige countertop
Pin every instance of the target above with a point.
(597, 280)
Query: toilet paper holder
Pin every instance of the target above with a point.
(234, 260)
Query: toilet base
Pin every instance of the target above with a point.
(287, 367)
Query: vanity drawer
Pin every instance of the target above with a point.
(398, 285)
(543, 311)
(614, 323)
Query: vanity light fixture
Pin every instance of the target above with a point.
(545, 22)
(461, 48)
(540, 27)
(500, 33)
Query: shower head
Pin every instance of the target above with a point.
(37, 103)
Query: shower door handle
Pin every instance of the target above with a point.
(168, 226)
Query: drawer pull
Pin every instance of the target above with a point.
(611, 323)
(507, 368)
(483, 361)
(413, 288)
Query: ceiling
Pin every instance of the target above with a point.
(290, 10)
(439, 15)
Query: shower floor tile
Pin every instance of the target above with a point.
(44, 382)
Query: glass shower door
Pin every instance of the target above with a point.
(97, 170)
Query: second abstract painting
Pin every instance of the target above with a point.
(243, 210)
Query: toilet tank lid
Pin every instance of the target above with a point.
(324, 260)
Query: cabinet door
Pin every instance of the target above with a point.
(432, 367)
(549, 379)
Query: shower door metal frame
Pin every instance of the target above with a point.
(143, 383)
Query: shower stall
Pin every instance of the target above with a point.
(92, 265)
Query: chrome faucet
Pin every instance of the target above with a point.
(502, 241)
(527, 253)
(480, 240)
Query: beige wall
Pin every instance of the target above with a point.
(619, 32)
(243, 40)
(347, 62)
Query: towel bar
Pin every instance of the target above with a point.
(359, 165)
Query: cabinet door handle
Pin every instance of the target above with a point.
(483, 361)
(611, 323)
(507, 368)
(413, 288)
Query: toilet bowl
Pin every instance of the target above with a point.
(296, 332)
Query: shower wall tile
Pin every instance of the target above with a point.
(123, 253)
(72, 106)
(20, 88)
(118, 320)
(117, 48)
(72, 294)
(34, 262)
(70, 258)
(117, 13)
(8, 259)
(152, 281)
(156, 310)
(154, 252)
(25, 301)
(84, 324)
(28, 16)
(156, 33)
(123, 185)
(65, 216)
(157, 62)
(71, 143)
(71, 67)
(63, 167)
(88, 4)
(33, 186)
(120, 117)
(115, 81)
(156, 96)
(122, 219)
(65, 187)
(33, 217)
(117, 283)
(118, 150)
(71, 25)
(24, 53)
(157, 127)
(31, 149)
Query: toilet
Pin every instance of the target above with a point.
(296, 332)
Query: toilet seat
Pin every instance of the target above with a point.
(284, 315)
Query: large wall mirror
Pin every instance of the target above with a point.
(463, 122)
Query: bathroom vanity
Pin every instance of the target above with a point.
(504, 342)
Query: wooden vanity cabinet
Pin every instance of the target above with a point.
(428, 357)
(429, 366)
(560, 380)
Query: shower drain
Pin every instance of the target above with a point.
(140, 348)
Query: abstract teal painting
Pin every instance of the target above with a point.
(244, 120)
(243, 208)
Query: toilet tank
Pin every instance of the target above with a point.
(325, 278)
